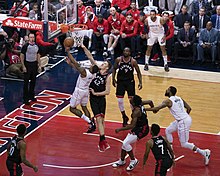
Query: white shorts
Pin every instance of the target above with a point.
(182, 127)
(153, 38)
(79, 97)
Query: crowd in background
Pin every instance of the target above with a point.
(190, 25)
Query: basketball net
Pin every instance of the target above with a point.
(78, 38)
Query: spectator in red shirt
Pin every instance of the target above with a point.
(123, 5)
(100, 33)
(23, 11)
(134, 11)
(46, 47)
(141, 37)
(114, 20)
(81, 8)
(128, 33)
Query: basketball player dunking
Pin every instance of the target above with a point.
(156, 34)
(80, 95)
(182, 121)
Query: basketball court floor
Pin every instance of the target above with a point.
(57, 142)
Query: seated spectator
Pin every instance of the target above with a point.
(88, 19)
(208, 40)
(99, 9)
(216, 18)
(128, 33)
(182, 17)
(81, 8)
(134, 11)
(115, 21)
(33, 14)
(45, 47)
(141, 4)
(165, 5)
(21, 10)
(200, 20)
(198, 4)
(142, 35)
(123, 5)
(60, 5)
(100, 33)
(185, 40)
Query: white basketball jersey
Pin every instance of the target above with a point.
(177, 109)
(83, 83)
(155, 27)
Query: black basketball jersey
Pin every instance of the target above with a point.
(142, 120)
(159, 148)
(98, 84)
(125, 70)
(14, 152)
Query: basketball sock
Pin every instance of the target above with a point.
(200, 151)
(121, 104)
(86, 118)
(102, 137)
(165, 60)
(147, 59)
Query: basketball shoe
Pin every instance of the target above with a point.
(166, 68)
(103, 146)
(119, 163)
(146, 67)
(132, 165)
(92, 126)
(207, 156)
(125, 120)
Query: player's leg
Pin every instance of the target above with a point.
(120, 92)
(150, 43)
(169, 130)
(183, 133)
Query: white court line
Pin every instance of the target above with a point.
(58, 62)
(176, 159)
(218, 133)
(86, 167)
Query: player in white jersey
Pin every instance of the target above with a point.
(182, 121)
(156, 34)
(81, 93)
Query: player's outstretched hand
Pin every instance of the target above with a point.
(35, 168)
(139, 86)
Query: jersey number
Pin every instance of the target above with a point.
(162, 150)
(11, 150)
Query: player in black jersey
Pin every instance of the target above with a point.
(161, 150)
(17, 153)
(139, 129)
(125, 79)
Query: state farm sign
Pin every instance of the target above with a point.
(27, 24)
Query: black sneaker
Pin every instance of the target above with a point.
(125, 120)
(166, 68)
(92, 126)
(146, 67)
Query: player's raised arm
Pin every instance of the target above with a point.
(72, 62)
(88, 54)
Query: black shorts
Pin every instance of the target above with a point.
(122, 86)
(14, 168)
(141, 131)
(162, 166)
(98, 105)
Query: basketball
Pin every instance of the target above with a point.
(68, 42)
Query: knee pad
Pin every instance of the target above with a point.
(127, 147)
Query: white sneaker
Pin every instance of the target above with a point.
(105, 54)
(119, 163)
(207, 156)
(132, 165)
